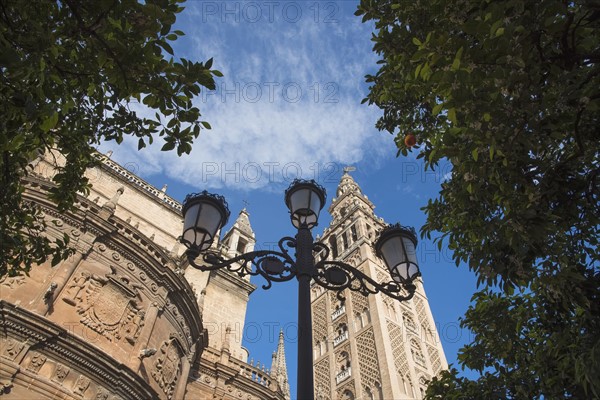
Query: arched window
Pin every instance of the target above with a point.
(317, 349)
(366, 316)
(354, 233)
(333, 246)
(347, 395)
(427, 333)
(345, 240)
(343, 361)
(341, 328)
(405, 385)
(358, 323)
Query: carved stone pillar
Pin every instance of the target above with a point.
(61, 277)
(182, 384)
(142, 341)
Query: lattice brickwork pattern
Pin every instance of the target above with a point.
(421, 311)
(322, 381)
(359, 302)
(319, 319)
(400, 361)
(434, 357)
(369, 366)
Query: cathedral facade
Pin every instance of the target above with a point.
(125, 318)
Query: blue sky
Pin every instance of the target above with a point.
(288, 106)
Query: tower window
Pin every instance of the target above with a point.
(333, 246)
(354, 234)
(345, 240)
(241, 245)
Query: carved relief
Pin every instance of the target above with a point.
(167, 367)
(12, 281)
(396, 339)
(60, 373)
(322, 380)
(12, 349)
(36, 362)
(102, 394)
(319, 320)
(107, 304)
(81, 385)
(368, 363)
(73, 291)
(133, 326)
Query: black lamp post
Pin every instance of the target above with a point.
(205, 213)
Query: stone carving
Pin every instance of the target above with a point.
(107, 304)
(322, 380)
(60, 373)
(167, 367)
(369, 366)
(12, 349)
(73, 291)
(102, 395)
(81, 385)
(133, 325)
(12, 281)
(400, 360)
(319, 320)
(37, 360)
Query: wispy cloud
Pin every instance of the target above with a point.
(289, 103)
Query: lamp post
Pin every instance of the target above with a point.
(205, 213)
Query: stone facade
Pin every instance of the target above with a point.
(124, 318)
(369, 347)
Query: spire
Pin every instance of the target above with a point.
(347, 183)
(243, 223)
(240, 238)
(279, 368)
(108, 209)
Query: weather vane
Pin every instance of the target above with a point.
(349, 169)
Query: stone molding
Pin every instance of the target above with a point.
(44, 341)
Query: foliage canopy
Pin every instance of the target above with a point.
(509, 93)
(72, 73)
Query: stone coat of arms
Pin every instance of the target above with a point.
(107, 304)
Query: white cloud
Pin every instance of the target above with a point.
(289, 102)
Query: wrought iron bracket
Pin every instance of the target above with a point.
(279, 266)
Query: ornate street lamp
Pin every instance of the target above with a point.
(205, 213)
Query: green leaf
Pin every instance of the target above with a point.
(50, 122)
(437, 108)
(168, 146)
(475, 154)
(452, 115)
(165, 46)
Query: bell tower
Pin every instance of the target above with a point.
(222, 295)
(369, 347)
